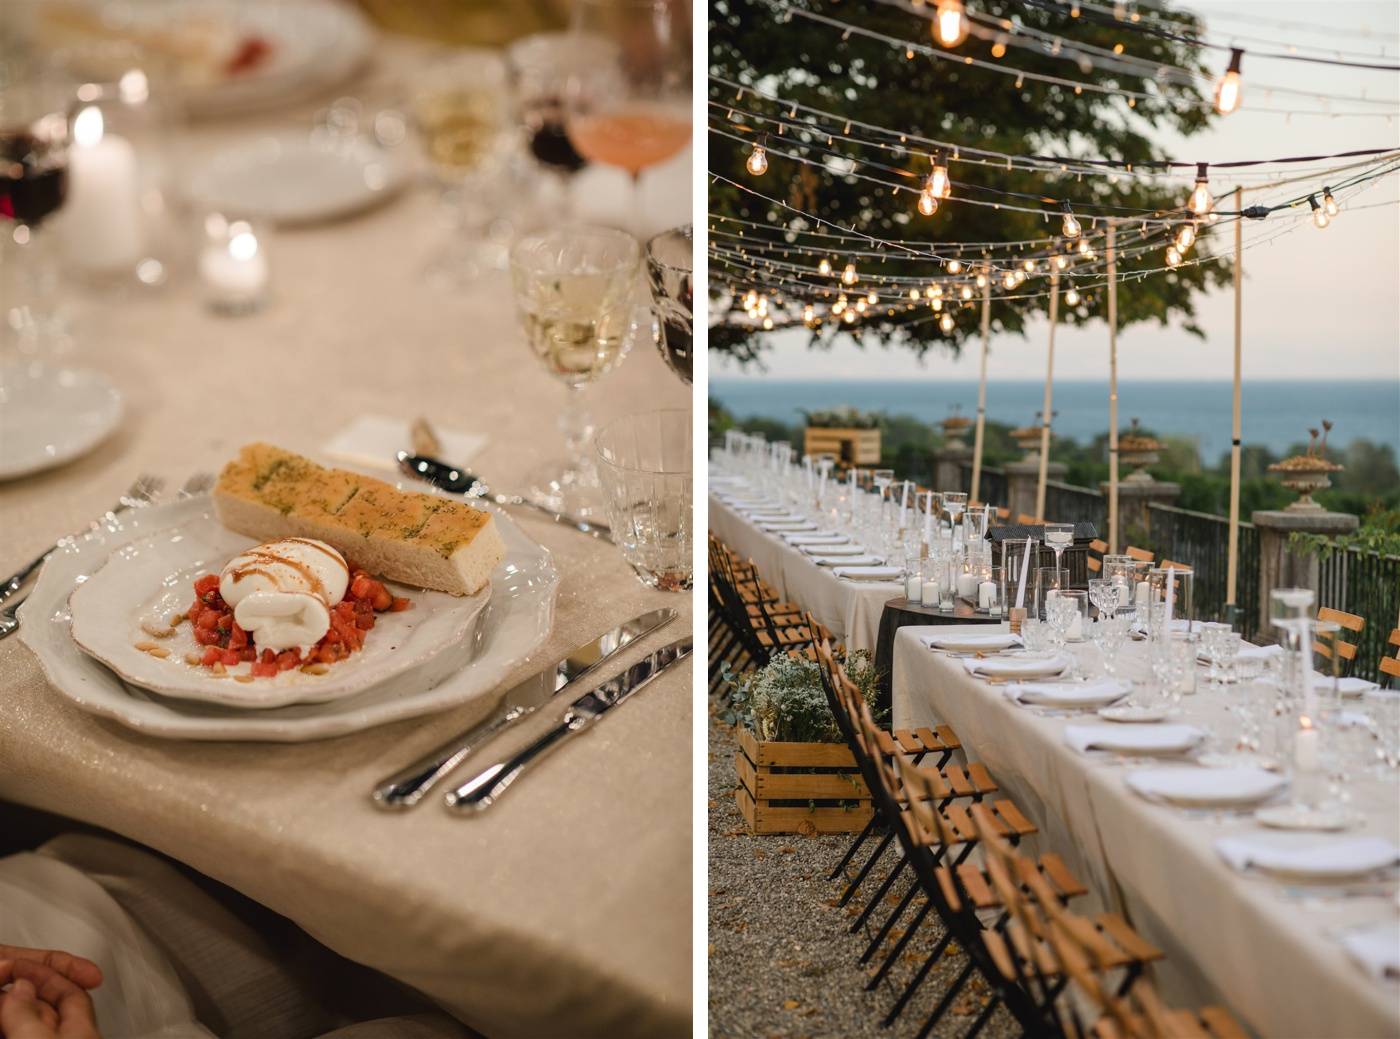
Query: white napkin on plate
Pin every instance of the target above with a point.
(1315, 855)
(1355, 687)
(1248, 652)
(829, 537)
(847, 560)
(972, 642)
(1067, 694)
(1376, 947)
(781, 525)
(869, 573)
(1205, 786)
(1028, 666)
(1131, 738)
(833, 549)
(374, 440)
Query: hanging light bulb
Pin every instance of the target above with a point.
(928, 205)
(1084, 249)
(914, 295)
(809, 314)
(954, 266)
(1200, 201)
(1227, 87)
(872, 298)
(1329, 203)
(860, 306)
(938, 184)
(848, 276)
(768, 324)
(965, 292)
(936, 305)
(946, 323)
(757, 163)
(1072, 296)
(849, 317)
(1173, 256)
(981, 279)
(935, 291)
(1320, 217)
(1061, 261)
(750, 299)
(1020, 277)
(839, 306)
(1028, 266)
(950, 23)
(1185, 237)
(1008, 280)
(1069, 227)
(824, 268)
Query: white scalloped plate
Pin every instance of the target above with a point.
(152, 577)
(514, 624)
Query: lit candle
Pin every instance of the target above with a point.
(1306, 754)
(1076, 629)
(233, 266)
(986, 594)
(102, 212)
(1141, 595)
(911, 587)
(967, 586)
(929, 593)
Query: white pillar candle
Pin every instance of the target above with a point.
(986, 594)
(102, 212)
(234, 272)
(1142, 595)
(1171, 595)
(929, 593)
(1021, 581)
(1307, 756)
(1076, 629)
(911, 587)
(967, 586)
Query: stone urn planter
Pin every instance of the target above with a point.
(1138, 450)
(1028, 440)
(955, 427)
(1309, 472)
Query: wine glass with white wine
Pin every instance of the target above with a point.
(574, 291)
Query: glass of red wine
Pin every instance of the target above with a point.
(670, 274)
(33, 186)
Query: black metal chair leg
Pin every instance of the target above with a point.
(888, 925)
(894, 954)
(917, 980)
(855, 846)
(864, 870)
(880, 893)
(945, 1002)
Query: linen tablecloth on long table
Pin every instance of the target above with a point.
(566, 908)
(851, 609)
(1275, 962)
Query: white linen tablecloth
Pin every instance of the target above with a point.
(1275, 961)
(851, 609)
(565, 909)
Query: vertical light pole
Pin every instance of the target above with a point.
(976, 489)
(1112, 392)
(1049, 395)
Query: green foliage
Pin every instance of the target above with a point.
(869, 80)
(784, 700)
(1379, 532)
(842, 418)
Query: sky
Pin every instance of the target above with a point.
(1317, 303)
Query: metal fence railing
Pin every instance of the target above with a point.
(1066, 503)
(1202, 541)
(1367, 584)
(993, 490)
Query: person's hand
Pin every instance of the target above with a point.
(81, 972)
(41, 1003)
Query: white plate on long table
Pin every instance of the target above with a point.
(513, 625)
(147, 580)
(50, 416)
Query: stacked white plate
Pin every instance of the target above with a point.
(1206, 787)
(84, 619)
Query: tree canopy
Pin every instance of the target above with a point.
(855, 77)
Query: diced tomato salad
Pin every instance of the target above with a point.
(226, 643)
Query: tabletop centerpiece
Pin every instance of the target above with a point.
(1309, 471)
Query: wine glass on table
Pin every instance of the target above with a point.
(1059, 536)
(33, 186)
(574, 294)
(632, 112)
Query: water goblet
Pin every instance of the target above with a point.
(1059, 536)
(1035, 635)
(1060, 613)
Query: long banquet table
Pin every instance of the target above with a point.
(850, 609)
(565, 909)
(1271, 958)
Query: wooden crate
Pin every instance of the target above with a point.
(850, 446)
(774, 800)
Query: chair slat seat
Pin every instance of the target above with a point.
(983, 895)
(939, 738)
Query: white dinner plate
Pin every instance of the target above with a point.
(1295, 856)
(1206, 787)
(147, 580)
(1027, 665)
(49, 416)
(294, 178)
(513, 625)
(1128, 714)
(1134, 739)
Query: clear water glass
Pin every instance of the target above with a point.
(1035, 635)
(1059, 615)
(644, 464)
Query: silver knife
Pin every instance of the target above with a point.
(406, 788)
(483, 790)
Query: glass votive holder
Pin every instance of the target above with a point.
(233, 267)
(990, 592)
(1048, 582)
(1079, 625)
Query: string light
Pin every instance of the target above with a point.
(1061, 261)
(981, 279)
(848, 276)
(1328, 202)
(1227, 88)
(928, 205)
(1185, 237)
(1069, 227)
(1072, 296)
(1008, 280)
(849, 317)
(757, 163)
(939, 186)
(950, 26)
(809, 315)
(1320, 217)
(1173, 256)
(946, 323)
(965, 292)
(872, 298)
(1200, 202)
(824, 268)
(954, 266)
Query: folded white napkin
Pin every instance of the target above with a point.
(833, 549)
(1028, 665)
(1259, 652)
(1068, 694)
(1376, 947)
(1205, 786)
(829, 537)
(1355, 687)
(1310, 855)
(1131, 738)
(781, 525)
(374, 441)
(847, 560)
(869, 573)
(971, 642)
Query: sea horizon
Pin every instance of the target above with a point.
(1275, 413)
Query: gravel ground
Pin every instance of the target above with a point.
(783, 964)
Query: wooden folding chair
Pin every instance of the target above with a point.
(1097, 548)
(1390, 666)
(1345, 650)
(1140, 554)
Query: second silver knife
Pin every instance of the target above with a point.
(406, 788)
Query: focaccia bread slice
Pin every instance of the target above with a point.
(418, 539)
